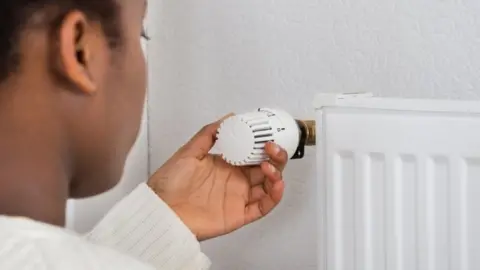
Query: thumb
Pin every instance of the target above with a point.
(201, 144)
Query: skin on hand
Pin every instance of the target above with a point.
(212, 197)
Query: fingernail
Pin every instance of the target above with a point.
(272, 168)
(276, 149)
(225, 117)
(228, 115)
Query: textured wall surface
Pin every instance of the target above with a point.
(208, 58)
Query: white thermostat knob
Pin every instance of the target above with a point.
(241, 138)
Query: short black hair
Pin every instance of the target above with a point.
(15, 17)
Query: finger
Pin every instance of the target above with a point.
(273, 188)
(202, 142)
(261, 208)
(255, 175)
(278, 156)
(271, 173)
(257, 193)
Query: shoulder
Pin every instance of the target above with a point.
(26, 244)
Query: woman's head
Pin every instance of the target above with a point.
(78, 67)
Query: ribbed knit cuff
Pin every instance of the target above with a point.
(143, 226)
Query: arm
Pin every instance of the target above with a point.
(143, 226)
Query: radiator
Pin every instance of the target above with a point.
(398, 183)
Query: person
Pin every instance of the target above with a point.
(72, 89)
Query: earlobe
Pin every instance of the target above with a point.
(75, 51)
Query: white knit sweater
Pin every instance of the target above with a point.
(140, 233)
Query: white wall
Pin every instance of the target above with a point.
(208, 58)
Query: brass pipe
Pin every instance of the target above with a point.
(309, 127)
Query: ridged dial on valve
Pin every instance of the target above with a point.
(242, 138)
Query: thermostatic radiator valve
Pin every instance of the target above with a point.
(241, 138)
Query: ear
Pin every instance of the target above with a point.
(76, 42)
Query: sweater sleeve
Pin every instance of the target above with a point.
(143, 226)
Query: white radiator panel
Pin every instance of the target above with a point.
(399, 188)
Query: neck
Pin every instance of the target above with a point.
(34, 181)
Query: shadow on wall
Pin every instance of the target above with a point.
(279, 241)
(208, 58)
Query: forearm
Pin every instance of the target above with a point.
(143, 226)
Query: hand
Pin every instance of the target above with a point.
(212, 197)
